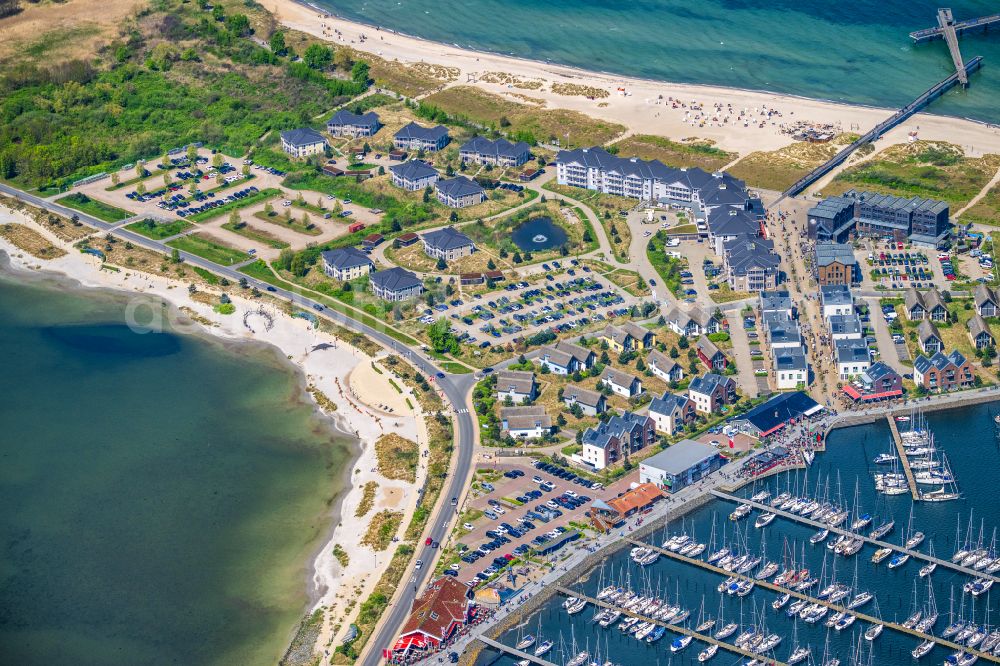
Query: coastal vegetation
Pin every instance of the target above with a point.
(159, 230)
(986, 210)
(777, 169)
(688, 153)
(608, 208)
(30, 241)
(579, 90)
(496, 234)
(398, 457)
(930, 169)
(382, 529)
(668, 268)
(197, 72)
(526, 122)
(99, 209)
(342, 557)
(367, 499)
(256, 234)
(209, 248)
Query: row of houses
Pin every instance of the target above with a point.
(784, 339)
(857, 214)
(851, 350)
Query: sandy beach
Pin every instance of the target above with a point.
(367, 407)
(642, 106)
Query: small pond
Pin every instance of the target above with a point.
(539, 233)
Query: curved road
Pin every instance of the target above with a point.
(456, 389)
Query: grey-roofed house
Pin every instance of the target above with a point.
(525, 422)
(302, 142)
(844, 327)
(346, 263)
(395, 284)
(671, 412)
(459, 192)
(413, 175)
(480, 150)
(935, 305)
(447, 243)
(680, 465)
(622, 383)
(727, 224)
(751, 264)
(836, 299)
(980, 332)
(564, 358)
(791, 370)
(775, 301)
(616, 438)
(517, 385)
(987, 301)
(929, 338)
(913, 304)
(836, 264)
(853, 358)
(881, 380)
(346, 123)
(780, 331)
(943, 373)
(418, 137)
(711, 391)
(831, 219)
(664, 367)
(692, 323)
(710, 355)
(591, 403)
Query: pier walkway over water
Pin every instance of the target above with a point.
(983, 23)
(670, 627)
(903, 460)
(874, 133)
(799, 595)
(514, 652)
(947, 23)
(948, 564)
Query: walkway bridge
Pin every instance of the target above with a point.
(983, 23)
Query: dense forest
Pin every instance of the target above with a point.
(179, 73)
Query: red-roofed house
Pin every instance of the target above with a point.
(437, 615)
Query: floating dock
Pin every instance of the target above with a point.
(901, 452)
(835, 607)
(514, 652)
(947, 564)
(672, 627)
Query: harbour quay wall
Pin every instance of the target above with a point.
(929, 404)
(576, 571)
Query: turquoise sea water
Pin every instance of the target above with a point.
(970, 441)
(162, 494)
(857, 51)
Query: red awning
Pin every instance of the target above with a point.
(857, 395)
(851, 391)
(406, 642)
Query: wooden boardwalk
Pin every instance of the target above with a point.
(904, 461)
(983, 23)
(514, 652)
(835, 607)
(948, 564)
(947, 24)
(672, 627)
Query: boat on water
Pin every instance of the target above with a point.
(798, 655)
(928, 569)
(915, 540)
(940, 495)
(881, 554)
(953, 628)
(726, 631)
(708, 653)
(819, 537)
(930, 477)
(761, 496)
(779, 603)
(978, 586)
(898, 560)
(862, 521)
(579, 660)
(882, 530)
(680, 643)
(543, 648)
(656, 634)
(781, 499)
(884, 459)
(874, 632)
(574, 605)
(860, 600)
(923, 649)
(525, 642)
(718, 555)
(765, 519)
(767, 571)
(740, 512)
(705, 626)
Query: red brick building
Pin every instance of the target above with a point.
(437, 615)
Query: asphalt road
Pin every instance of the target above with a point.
(455, 388)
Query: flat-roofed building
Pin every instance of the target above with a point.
(680, 465)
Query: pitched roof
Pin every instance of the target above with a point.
(525, 410)
(927, 330)
(498, 148)
(580, 353)
(725, 221)
(641, 496)
(395, 279)
(707, 347)
(459, 186)
(528, 421)
(616, 427)
(434, 612)
(978, 325)
(923, 364)
(515, 380)
(345, 258)
(852, 351)
(707, 383)
(933, 300)
(789, 359)
(636, 331)
(984, 294)
(877, 371)
(746, 253)
(836, 294)
(913, 298)
(661, 361)
(557, 356)
(446, 238)
(304, 136)
(667, 403)
(413, 170)
(619, 335)
(415, 131)
(582, 395)
(775, 300)
(781, 409)
(618, 377)
(345, 117)
(828, 253)
(844, 324)
(680, 457)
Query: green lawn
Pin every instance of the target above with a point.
(98, 209)
(289, 223)
(159, 230)
(257, 235)
(208, 249)
(263, 195)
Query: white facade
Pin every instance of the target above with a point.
(790, 379)
(594, 456)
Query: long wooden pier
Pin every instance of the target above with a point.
(948, 564)
(947, 23)
(832, 606)
(901, 452)
(874, 133)
(514, 652)
(671, 627)
(983, 23)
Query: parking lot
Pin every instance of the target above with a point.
(520, 309)
(524, 509)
